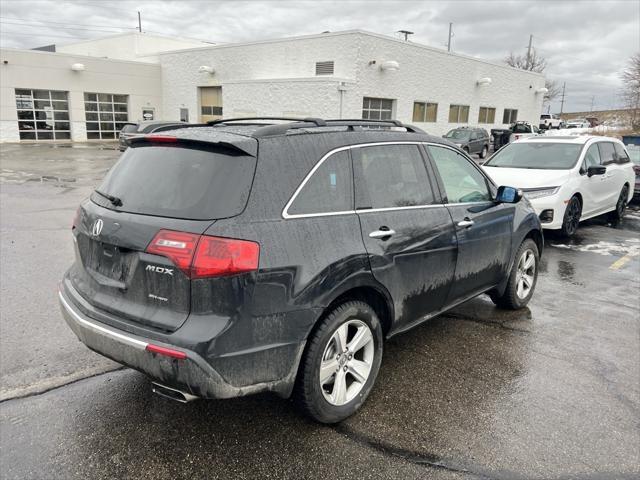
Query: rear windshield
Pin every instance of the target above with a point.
(129, 128)
(539, 156)
(458, 134)
(179, 182)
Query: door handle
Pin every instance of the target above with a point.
(382, 233)
(466, 223)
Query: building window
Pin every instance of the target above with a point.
(43, 115)
(377, 108)
(106, 115)
(324, 68)
(425, 112)
(487, 115)
(458, 113)
(210, 103)
(510, 116)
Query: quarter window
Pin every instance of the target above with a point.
(487, 115)
(462, 181)
(458, 113)
(425, 112)
(607, 153)
(510, 116)
(42, 115)
(328, 190)
(377, 108)
(621, 155)
(391, 176)
(106, 114)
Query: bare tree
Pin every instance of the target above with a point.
(631, 89)
(534, 63)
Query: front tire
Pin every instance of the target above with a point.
(621, 205)
(341, 363)
(571, 217)
(484, 151)
(522, 278)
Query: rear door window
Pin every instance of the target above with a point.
(328, 190)
(179, 182)
(607, 153)
(391, 176)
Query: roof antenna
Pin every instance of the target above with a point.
(406, 34)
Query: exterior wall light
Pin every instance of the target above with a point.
(484, 82)
(542, 90)
(206, 69)
(77, 67)
(390, 66)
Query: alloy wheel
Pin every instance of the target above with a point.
(573, 216)
(525, 274)
(346, 362)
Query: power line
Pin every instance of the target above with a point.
(30, 20)
(59, 27)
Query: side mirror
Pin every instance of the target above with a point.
(508, 195)
(596, 170)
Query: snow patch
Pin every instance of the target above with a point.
(630, 247)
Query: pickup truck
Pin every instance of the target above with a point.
(502, 136)
(548, 120)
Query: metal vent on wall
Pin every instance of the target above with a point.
(324, 68)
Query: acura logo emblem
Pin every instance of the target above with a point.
(97, 227)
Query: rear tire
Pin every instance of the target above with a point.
(571, 217)
(340, 364)
(522, 278)
(484, 151)
(621, 205)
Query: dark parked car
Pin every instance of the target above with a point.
(471, 140)
(131, 130)
(236, 258)
(634, 155)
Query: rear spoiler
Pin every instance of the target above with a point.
(246, 145)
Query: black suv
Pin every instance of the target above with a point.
(471, 140)
(237, 257)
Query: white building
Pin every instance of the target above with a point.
(87, 90)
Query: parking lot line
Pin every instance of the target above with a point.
(621, 262)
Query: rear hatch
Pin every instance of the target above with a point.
(136, 235)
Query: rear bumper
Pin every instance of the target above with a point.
(192, 374)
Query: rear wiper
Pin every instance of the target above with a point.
(115, 201)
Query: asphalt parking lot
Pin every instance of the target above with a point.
(549, 392)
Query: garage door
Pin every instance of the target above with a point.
(43, 114)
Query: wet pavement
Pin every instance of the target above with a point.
(552, 391)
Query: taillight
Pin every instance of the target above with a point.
(224, 256)
(200, 256)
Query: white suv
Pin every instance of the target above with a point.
(567, 179)
(548, 121)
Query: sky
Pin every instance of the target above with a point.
(586, 43)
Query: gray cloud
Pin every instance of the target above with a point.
(586, 43)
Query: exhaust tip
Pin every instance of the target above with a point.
(172, 393)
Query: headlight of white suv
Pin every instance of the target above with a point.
(533, 193)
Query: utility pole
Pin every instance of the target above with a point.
(564, 85)
(139, 23)
(593, 98)
(406, 34)
(529, 52)
(450, 35)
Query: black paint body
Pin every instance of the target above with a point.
(251, 329)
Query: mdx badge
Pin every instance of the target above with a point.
(157, 269)
(97, 227)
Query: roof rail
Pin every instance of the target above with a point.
(351, 125)
(317, 121)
